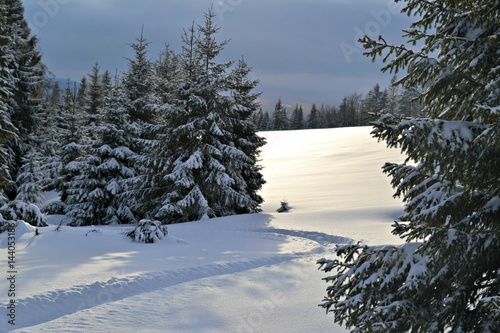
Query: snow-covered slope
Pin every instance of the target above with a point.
(249, 273)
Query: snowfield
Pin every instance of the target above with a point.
(247, 273)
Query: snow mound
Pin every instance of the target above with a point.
(23, 231)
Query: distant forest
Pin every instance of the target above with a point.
(354, 110)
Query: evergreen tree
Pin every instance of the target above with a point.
(7, 129)
(138, 84)
(70, 123)
(349, 110)
(167, 71)
(96, 192)
(297, 118)
(95, 98)
(313, 119)
(446, 276)
(29, 195)
(322, 116)
(55, 96)
(21, 71)
(144, 90)
(265, 124)
(29, 180)
(374, 101)
(210, 139)
(82, 97)
(25, 66)
(330, 117)
(243, 168)
(261, 120)
(279, 121)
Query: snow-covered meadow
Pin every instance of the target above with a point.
(248, 273)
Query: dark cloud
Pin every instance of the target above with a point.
(301, 51)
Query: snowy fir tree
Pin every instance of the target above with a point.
(70, 124)
(21, 74)
(148, 231)
(7, 129)
(210, 138)
(95, 193)
(145, 100)
(29, 196)
(446, 276)
(95, 95)
(138, 85)
(26, 67)
(82, 97)
(244, 168)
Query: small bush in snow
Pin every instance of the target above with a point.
(148, 231)
(284, 206)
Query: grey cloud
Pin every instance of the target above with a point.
(294, 46)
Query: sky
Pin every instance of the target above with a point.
(301, 51)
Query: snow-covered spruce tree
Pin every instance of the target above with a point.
(148, 231)
(138, 84)
(96, 192)
(24, 64)
(210, 138)
(244, 168)
(446, 276)
(144, 103)
(21, 72)
(96, 89)
(82, 96)
(69, 121)
(29, 196)
(49, 136)
(7, 129)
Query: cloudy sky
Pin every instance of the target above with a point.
(303, 51)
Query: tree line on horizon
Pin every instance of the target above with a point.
(354, 110)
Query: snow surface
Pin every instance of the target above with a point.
(247, 273)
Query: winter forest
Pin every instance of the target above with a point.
(169, 139)
(176, 139)
(154, 141)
